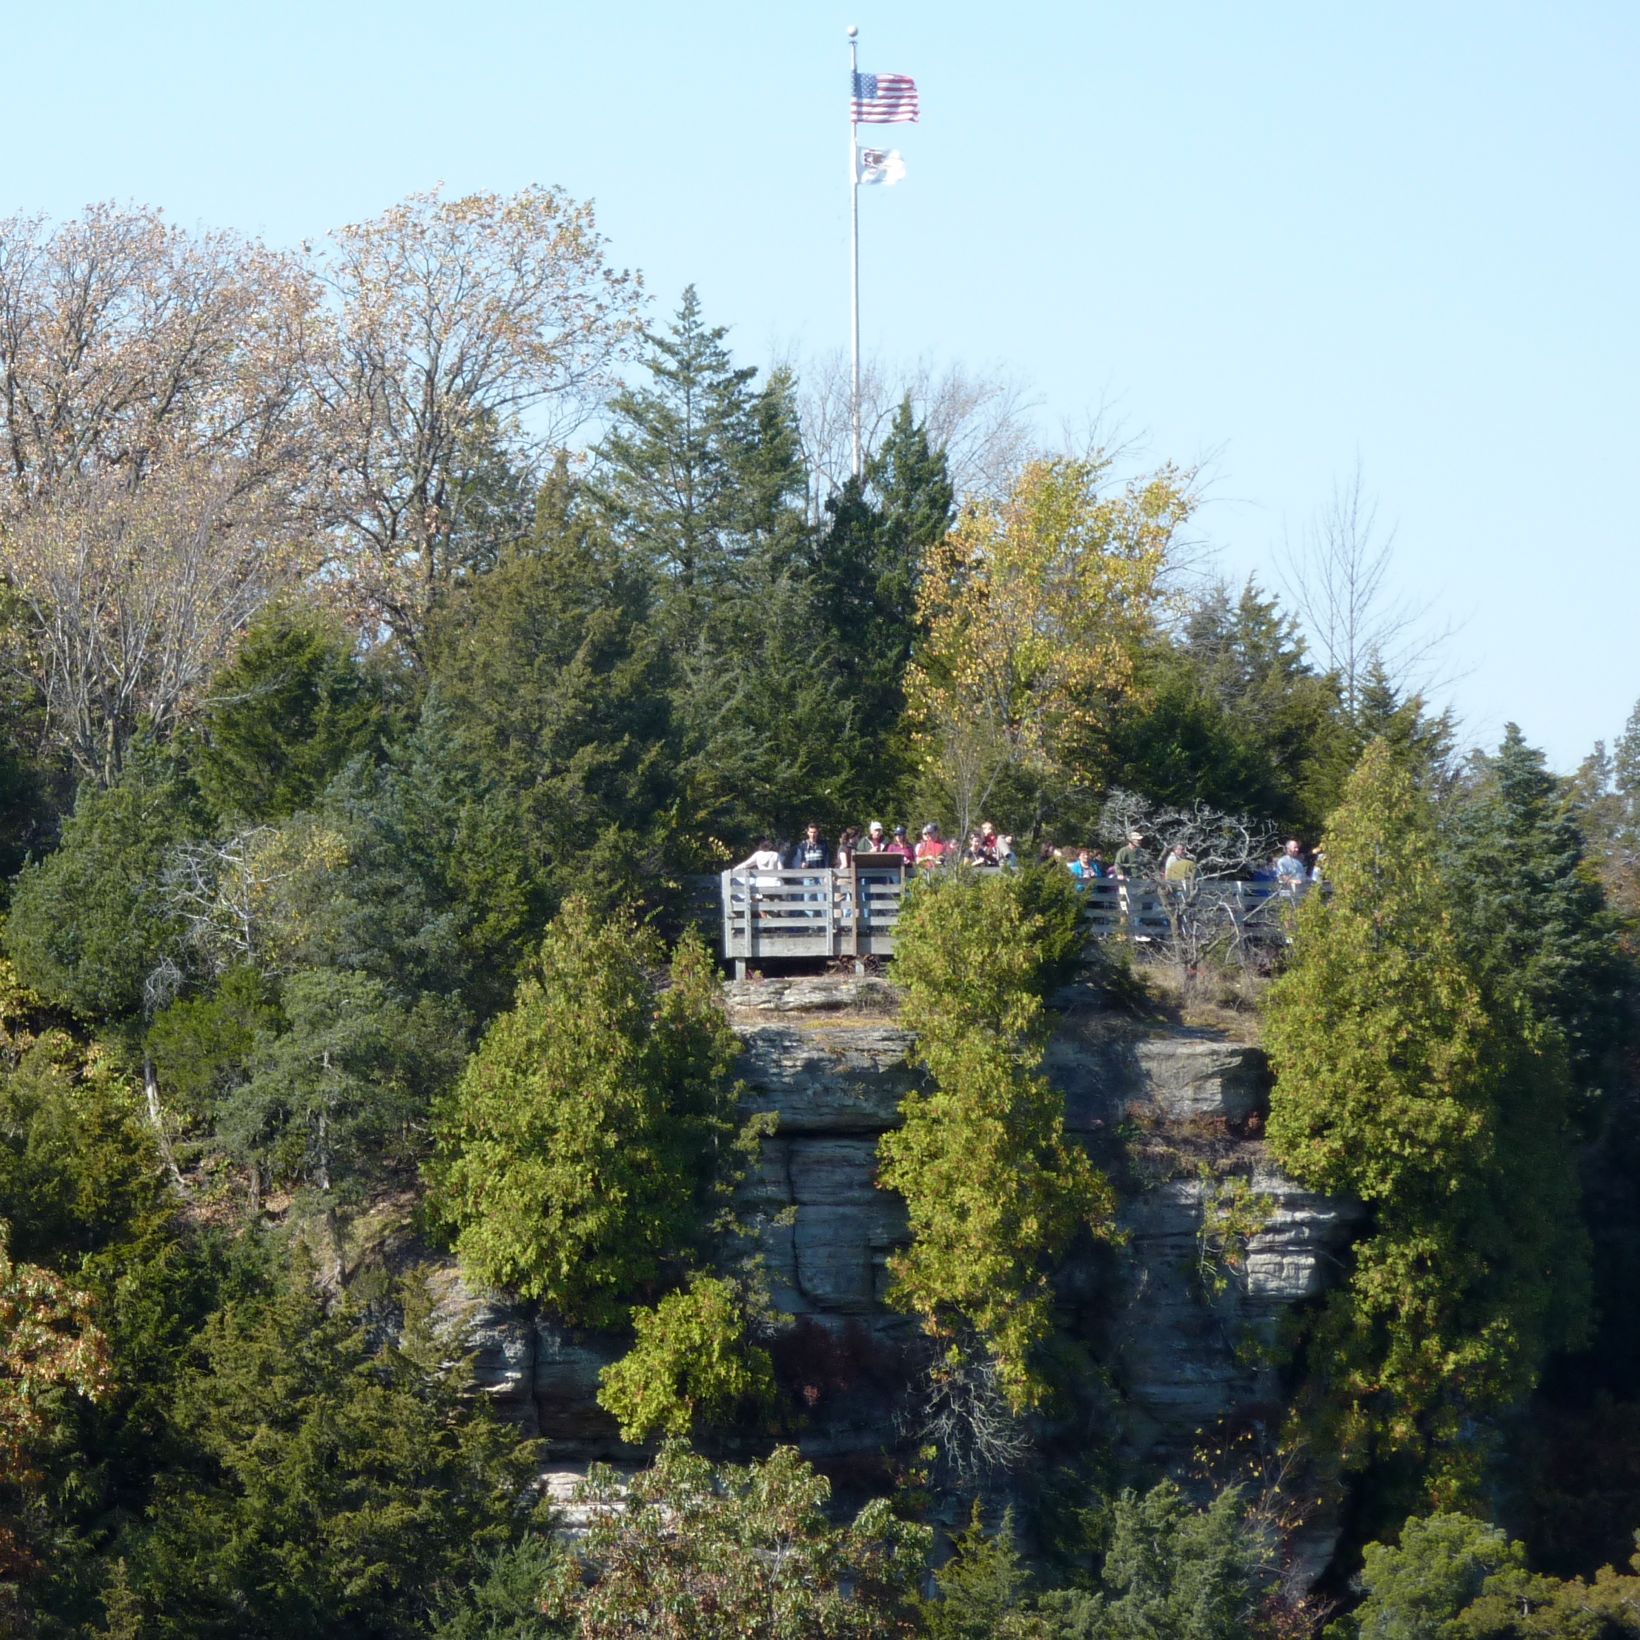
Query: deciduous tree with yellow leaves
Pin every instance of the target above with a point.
(1032, 608)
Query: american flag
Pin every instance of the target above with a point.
(884, 99)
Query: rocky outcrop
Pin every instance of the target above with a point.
(1175, 1114)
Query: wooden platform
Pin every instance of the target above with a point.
(822, 916)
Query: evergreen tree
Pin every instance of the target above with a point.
(984, 1588)
(670, 465)
(1176, 742)
(1416, 1588)
(768, 478)
(767, 730)
(1402, 721)
(332, 1486)
(759, 1556)
(692, 1362)
(284, 717)
(866, 574)
(1397, 1084)
(994, 1191)
(1528, 907)
(88, 925)
(554, 695)
(1289, 716)
(337, 1096)
(1173, 1572)
(490, 504)
(577, 1155)
(201, 1045)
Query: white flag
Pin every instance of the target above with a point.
(882, 165)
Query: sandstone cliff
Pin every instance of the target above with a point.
(1174, 1114)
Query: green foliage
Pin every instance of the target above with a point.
(984, 1588)
(765, 725)
(339, 1093)
(1395, 1082)
(1173, 1572)
(994, 1191)
(867, 568)
(333, 1487)
(88, 924)
(1232, 1214)
(1415, 1589)
(50, 1349)
(436, 891)
(1515, 1604)
(692, 1361)
(686, 1548)
(554, 690)
(284, 717)
(1232, 714)
(201, 1045)
(503, 1602)
(578, 1153)
(1528, 908)
(78, 1170)
(689, 476)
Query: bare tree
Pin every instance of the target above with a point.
(983, 422)
(1202, 910)
(960, 1409)
(160, 461)
(255, 897)
(134, 598)
(126, 343)
(461, 326)
(1221, 845)
(1339, 581)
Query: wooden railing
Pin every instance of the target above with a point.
(825, 915)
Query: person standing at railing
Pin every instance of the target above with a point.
(980, 851)
(1290, 870)
(1085, 868)
(1180, 872)
(1133, 859)
(764, 863)
(812, 854)
(846, 846)
(931, 850)
(900, 844)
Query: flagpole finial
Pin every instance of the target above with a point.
(853, 32)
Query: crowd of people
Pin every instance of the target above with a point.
(1136, 859)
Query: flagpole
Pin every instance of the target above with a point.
(854, 245)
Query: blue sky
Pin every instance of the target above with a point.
(1278, 239)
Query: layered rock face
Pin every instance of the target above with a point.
(1174, 1114)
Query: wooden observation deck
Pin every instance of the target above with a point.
(821, 916)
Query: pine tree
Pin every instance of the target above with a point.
(669, 467)
(1172, 1569)
(577, 1154)
(984, 1588)
(1528, 907)
(1288, 715)
(994, 1190)
(284, 717)
(555, 692)
(1396, 1083)
(329, 1485)
(866, 575)
(88, 925)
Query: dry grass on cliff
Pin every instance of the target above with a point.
(1225, 1001)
